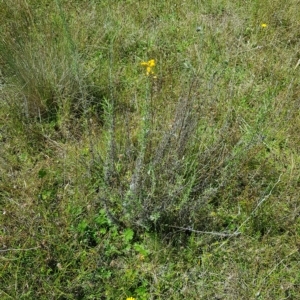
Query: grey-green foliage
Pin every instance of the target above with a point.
(172, 181)
(40, 61)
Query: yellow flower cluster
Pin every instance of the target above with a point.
(264, 25)
(130, 298)
(149, 66)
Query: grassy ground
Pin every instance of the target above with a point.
(177, 184)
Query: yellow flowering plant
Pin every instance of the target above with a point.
(149, 65)
(130, 298)
(264, 25)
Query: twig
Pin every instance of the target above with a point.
(255, 209)
(12, 249)
(224, 234)
(237, 232)
(260, 203)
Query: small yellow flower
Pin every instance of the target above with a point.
(130, 298)
(264, 25)
(149, 65)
